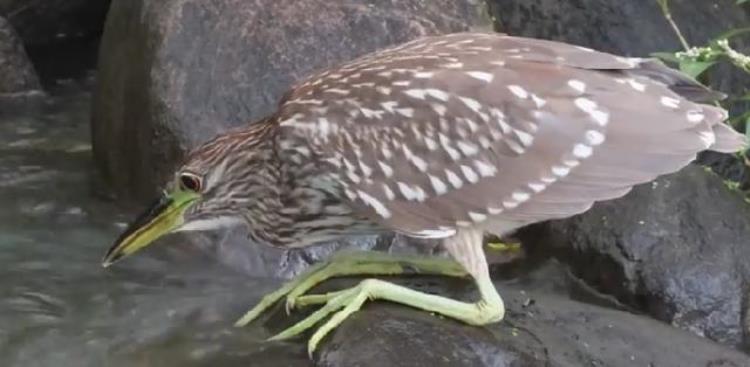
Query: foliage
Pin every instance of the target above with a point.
(696, 61)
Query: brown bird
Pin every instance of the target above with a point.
(446, 137)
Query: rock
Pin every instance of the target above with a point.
(542, 328)
(174, 73)
(675, 248)
(17, 75)
(42, 22)
(638, 29)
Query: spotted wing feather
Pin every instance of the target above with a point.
(465, 129)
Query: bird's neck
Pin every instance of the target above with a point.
(310, 208)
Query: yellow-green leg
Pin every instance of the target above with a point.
(348, 264)
(465, 247)
(488, 309)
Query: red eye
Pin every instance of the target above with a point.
(190, 182)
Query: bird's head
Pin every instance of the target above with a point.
(218, 186)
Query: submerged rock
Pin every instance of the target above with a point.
(676, 248)
(17, 75)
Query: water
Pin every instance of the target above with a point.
(58, 307)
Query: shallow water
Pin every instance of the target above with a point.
(58, 306)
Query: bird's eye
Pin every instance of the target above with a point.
(190, 182)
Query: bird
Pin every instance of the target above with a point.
(447, 137)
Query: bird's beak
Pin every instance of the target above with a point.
(164, 216)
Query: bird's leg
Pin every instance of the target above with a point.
(347, 264)
(466, 247)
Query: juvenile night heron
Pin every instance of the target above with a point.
(445, 137)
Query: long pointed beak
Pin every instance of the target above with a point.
(163, 216)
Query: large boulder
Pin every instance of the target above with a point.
(174, 73)
(17, 75)
(638, 28)
(42, 22)
(540, 329)
(676, 248)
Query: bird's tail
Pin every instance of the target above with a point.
(727, 140)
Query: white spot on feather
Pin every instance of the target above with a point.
(519, 91)
(481, 75)
(473, 104)
(388, 192)
(560, 171)
(594, 137)
(525, 138)
(590, 107)
(453, 65)
(520, 196)
(468, 149)
(582, 151)
(438, 94)
(387, 169)
(538, 101)
(494, 211)
(670, 102)
(439, 109)
(469, 173)
(578, 85)
(383, 90)
(407, 112)
(537, 186)
(695, 116)
(412, 192)
(438, 185)
(374, 203)
(477, 217)
(453, 179)
(485, 169)
(416, 93)
(636, 85)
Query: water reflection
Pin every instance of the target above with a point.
(58, 307)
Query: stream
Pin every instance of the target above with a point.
(58, 306)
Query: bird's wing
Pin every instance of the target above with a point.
(457, 130)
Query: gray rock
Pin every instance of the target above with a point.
(542, 328)
(675, 248)
(174, 73)
(42, 22)
(17, 75)
(637, 28)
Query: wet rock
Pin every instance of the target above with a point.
(42, 22)
(174, 73)
(542, 328)
(638, 29)
(675, 248)
(17, 75)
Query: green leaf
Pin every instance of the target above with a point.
(740, 2)
(695, 68)
(666, 56)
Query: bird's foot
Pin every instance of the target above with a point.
(345, 302)
(348, 264)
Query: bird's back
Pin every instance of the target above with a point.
(489, 130)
